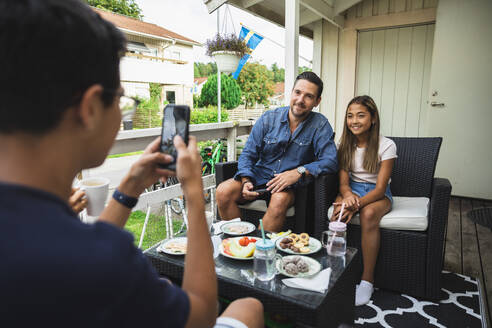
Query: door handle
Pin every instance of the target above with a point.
(436, 104)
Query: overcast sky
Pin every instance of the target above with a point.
(191, 19)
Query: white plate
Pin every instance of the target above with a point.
(229, 227)
(166, 246)
(314, 246)
(221, 249)
(314, 267)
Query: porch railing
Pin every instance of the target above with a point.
(135, 140)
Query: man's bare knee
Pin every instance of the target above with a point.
(280, 202)
(228, 191)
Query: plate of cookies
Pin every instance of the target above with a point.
(298, 244)
(298, 266)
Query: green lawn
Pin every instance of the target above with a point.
(156, 228)
(126, 154)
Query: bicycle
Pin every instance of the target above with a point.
(213, 155)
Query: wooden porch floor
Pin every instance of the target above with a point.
(468, 248)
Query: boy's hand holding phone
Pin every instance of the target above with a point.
(188, 164)
(146, 171)
(175, 121)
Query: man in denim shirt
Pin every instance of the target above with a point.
(285, 146)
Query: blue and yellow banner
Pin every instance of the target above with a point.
(252, 40)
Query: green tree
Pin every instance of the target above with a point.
(204, 69)
(147, 113)
(303, 69)
(230, 92)
(256, 83)
(278, 73)
(123, 7)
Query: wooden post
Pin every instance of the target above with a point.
(291, 46)
(231, 142)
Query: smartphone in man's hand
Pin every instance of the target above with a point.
(175, 121)
(261, 191)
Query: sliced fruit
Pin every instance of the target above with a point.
(244, 241)
(242, 251)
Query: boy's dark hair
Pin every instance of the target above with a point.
(313, 78)
(52, 51)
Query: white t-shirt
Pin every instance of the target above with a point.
(387, 150)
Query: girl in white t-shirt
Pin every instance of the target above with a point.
(366, 160)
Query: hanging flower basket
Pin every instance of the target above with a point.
(227, 50)
(227, 61)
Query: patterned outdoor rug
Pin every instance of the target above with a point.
(461, 306)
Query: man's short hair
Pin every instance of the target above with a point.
(52, 52)
(313, 78)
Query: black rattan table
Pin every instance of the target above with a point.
(304, 308)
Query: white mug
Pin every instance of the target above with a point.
(96, 191)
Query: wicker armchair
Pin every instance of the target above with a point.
(304, 207)
(411, 261)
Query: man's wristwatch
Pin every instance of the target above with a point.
(302, 171)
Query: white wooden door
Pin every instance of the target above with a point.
(461, 80)
(393, 67)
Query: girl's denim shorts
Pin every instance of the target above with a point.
(362, 188)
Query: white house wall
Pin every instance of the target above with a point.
(368, 15)
(136, 89)
(393, 67)
(141, 70)
(136, 73)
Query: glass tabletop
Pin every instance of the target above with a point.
(241, 271)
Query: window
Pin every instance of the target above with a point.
(171, 97)
(138, 48)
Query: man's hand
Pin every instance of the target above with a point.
(247, 192)
(77, 200)
(146, 171)
(188, 165)
(283, 180)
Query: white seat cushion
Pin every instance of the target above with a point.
(261, 206)
(408, 213)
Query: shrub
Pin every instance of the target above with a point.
(230, 92)
(207, 115)
(147, 114)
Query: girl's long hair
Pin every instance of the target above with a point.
(348, 142)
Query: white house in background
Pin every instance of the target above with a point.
(198, 84)
(277, 100)
(157, 55)
(427, 64)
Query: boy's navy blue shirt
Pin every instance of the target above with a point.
(272, 149)
(59, 272)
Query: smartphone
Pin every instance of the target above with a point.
(261, 191)
(175, 121)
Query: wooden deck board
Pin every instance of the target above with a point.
(468, 246)
(452, 260)
(469, 249)
(484, 237)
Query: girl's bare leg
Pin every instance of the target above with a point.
(370, 216)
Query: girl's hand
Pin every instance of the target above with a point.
(77, 200)
(352, 202)
(346, 215)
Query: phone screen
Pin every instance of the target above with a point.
(175, 120)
